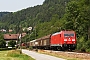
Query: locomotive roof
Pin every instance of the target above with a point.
(68, 31)
(63, 32)
(56, 33)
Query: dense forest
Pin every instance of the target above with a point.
(3, 14)
(50, 17)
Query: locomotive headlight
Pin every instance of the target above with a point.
(73, 39)
(65, 39)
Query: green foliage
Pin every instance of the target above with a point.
(2, 42)
(77, 19)
(5, 49)
(3, 14)
(30, 48)
(81, 44)
(12, 43)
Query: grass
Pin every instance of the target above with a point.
(13, 55)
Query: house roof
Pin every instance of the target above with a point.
(12, 36)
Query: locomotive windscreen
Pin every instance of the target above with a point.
(67, 35)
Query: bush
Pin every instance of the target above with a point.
(2, 43)
(2, 49)
(81, 45)
(88, 50)
(12, 43)
(23, 47)
(83, 50)
(30, 48)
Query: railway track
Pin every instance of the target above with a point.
(85, 56)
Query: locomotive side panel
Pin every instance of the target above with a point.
(56, 40)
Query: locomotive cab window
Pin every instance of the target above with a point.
(67, 35)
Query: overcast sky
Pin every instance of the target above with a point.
(15, 5)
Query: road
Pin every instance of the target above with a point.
(38, 56)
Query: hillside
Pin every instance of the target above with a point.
(39, 13)
(50, 17)
(3, 14)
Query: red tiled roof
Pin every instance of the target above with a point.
(12, 36)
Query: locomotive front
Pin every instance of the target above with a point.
(69, 40)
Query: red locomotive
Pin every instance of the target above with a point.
(60, 40)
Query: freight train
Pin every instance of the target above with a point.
(61, 40)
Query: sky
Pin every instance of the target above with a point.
(16, 5)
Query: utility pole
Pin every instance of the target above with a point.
(20, 39)
(35, 29)
(35, 32)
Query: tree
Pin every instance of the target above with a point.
(12, 43)
(2, 43)
(77, 18)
